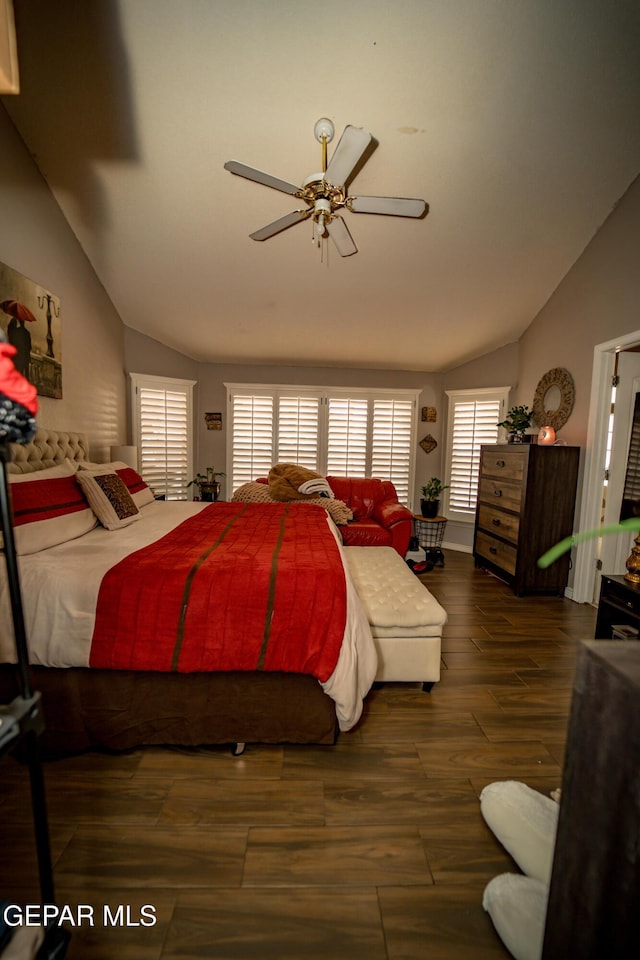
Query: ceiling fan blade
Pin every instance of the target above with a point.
(337, 230)
(278, 225)
(353, 143)
(250, 173)
(392, 206)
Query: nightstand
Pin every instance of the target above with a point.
(618, 609)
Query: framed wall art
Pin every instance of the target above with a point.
(30, 321)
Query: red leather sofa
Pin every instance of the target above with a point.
(379, 519)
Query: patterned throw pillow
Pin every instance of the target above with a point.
(142, 494)
(109, 499)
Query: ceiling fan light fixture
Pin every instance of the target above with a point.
(324, 130)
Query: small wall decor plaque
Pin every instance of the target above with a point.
(428, 443)
(213, 421)
(429, 414)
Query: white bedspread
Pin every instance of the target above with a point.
(60, 588)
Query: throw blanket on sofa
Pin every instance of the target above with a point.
(233, 588)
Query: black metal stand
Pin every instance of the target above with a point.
(22, 722)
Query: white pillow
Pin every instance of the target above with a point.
(139, 490)
(525, 822)
(517, 906)
(48, 508)
(109, 499)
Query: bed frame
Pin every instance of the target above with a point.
(120, 710)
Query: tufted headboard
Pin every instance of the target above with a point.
(48, 448)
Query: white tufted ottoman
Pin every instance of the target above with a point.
(406, 620)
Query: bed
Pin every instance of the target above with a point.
(172, 622)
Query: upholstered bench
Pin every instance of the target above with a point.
(406, 620)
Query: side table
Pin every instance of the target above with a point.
(618, 609)
(429, 533)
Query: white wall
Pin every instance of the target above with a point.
(36, 240)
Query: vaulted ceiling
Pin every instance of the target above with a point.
(518, 121)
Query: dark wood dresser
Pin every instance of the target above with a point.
(526, 502)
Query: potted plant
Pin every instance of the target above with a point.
(516, 423)
(208, 485)
(430, 500)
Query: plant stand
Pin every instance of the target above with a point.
(429, 533)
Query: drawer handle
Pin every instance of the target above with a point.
(493, 549)
(495, 522)
(497, 493)
(500, 463)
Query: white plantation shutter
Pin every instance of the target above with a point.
(339, 432)
(252, 421)
(298, 426)
(392, 435)
(162, 429)
(473, 419)
(347, 437)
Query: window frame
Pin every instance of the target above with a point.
(324, 394)
(167, 385)
(501, 394)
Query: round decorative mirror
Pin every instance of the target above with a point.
(554, 398)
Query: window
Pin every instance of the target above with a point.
(472, 421)
(338, 432)
(162, 410)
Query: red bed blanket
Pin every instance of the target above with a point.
(238, 587)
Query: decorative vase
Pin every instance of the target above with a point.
(516, 437)
(429, 508)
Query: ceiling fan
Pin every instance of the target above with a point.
(325, 194)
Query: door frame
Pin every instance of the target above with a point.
(593, 474)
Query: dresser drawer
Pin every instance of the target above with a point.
(501, 554)
(501, 493)
(496, 521)
(507, 463)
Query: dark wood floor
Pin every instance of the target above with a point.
(374, 848)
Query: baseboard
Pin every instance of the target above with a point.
(458, 547)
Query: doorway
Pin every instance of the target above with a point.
(600, 439)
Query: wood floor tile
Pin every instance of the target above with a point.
(410, 726)
(507, 658)
(88, 800)
(247, 802)
(443, 922)
(447, 806)
(498, 726)
(149, 857)
(466, 860)
(282, 924)
(516, 760)
(355, 761)
(458, 644)
(546, 678)
(530, 631)
(541, 700)
(335, 856)
(493, 676)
